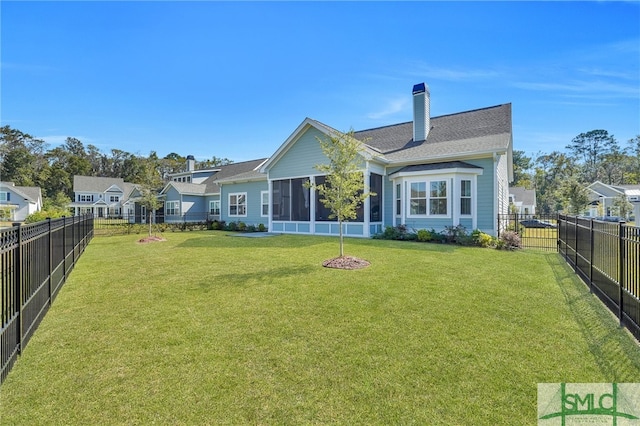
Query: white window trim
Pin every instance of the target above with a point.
(427, 180)
(237, 194)
(176, 208)
(471, 197)
(262, 203)
(212, 203)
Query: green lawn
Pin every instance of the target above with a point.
(207, 328)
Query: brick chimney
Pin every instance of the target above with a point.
(421, 107)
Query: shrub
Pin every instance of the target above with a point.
(509, 240)
(251, 228)
(424, 236)
(453, 233)
(242, 226)
(481, 239)
(231, 226)
(261, 227)
(41, 215)
(398, 232)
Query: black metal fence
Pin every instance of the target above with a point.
(539, 231)
(606, 256)
(35, 260)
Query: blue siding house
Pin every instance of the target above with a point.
(431, 172)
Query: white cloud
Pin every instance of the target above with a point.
(391, 107)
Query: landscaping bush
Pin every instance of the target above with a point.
(454, 233)
(261, 227)
(242, 227)
(398, 232)
(481, 239)
(424, 236)
(509, 240)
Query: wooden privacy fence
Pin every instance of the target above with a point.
(35, 261)
(606, 256)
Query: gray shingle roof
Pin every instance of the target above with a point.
(437, 166)
(95, 183)
(480, 130)
(234, 171)
(526, 196)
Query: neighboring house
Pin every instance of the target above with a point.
(107, 198)
(523, 199)
(432, 172)
(199, 200)
(601, 193)
(190, 174)
(19, 201)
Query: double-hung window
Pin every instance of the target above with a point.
(214, 207)
(238, 204)
(114, 198)
(418, 199)
(4, 196)
(425, 198)
(264, 208)
(465, 197)
(438, 197)
(398, 199)
(172, 208)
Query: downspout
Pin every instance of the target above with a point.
(496, 196)
(367, 203)
(270, 210)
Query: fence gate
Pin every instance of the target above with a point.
(537, 231)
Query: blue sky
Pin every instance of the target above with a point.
(234, 79)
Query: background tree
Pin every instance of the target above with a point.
(21, 157)
(344, 190)
(575, 196)
(214, 162)
(633, 155)
(522, 166)
(622, 205)
(588, 149)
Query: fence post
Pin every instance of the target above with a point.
(621, 258)
(18, 283)
(64, 249)
(591, 248)
(50, 259)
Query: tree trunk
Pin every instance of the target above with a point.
(341, 240)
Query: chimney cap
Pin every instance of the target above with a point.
(190, 157)
(420, 88)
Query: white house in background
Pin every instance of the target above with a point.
(523, 199)
(19, 201)
(106, 197)
(606, 194)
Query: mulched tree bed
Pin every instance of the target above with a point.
(346, 262)
(151, 239)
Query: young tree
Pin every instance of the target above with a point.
(344, 190)
(149, 185)
(623, 206)
(574, 195)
